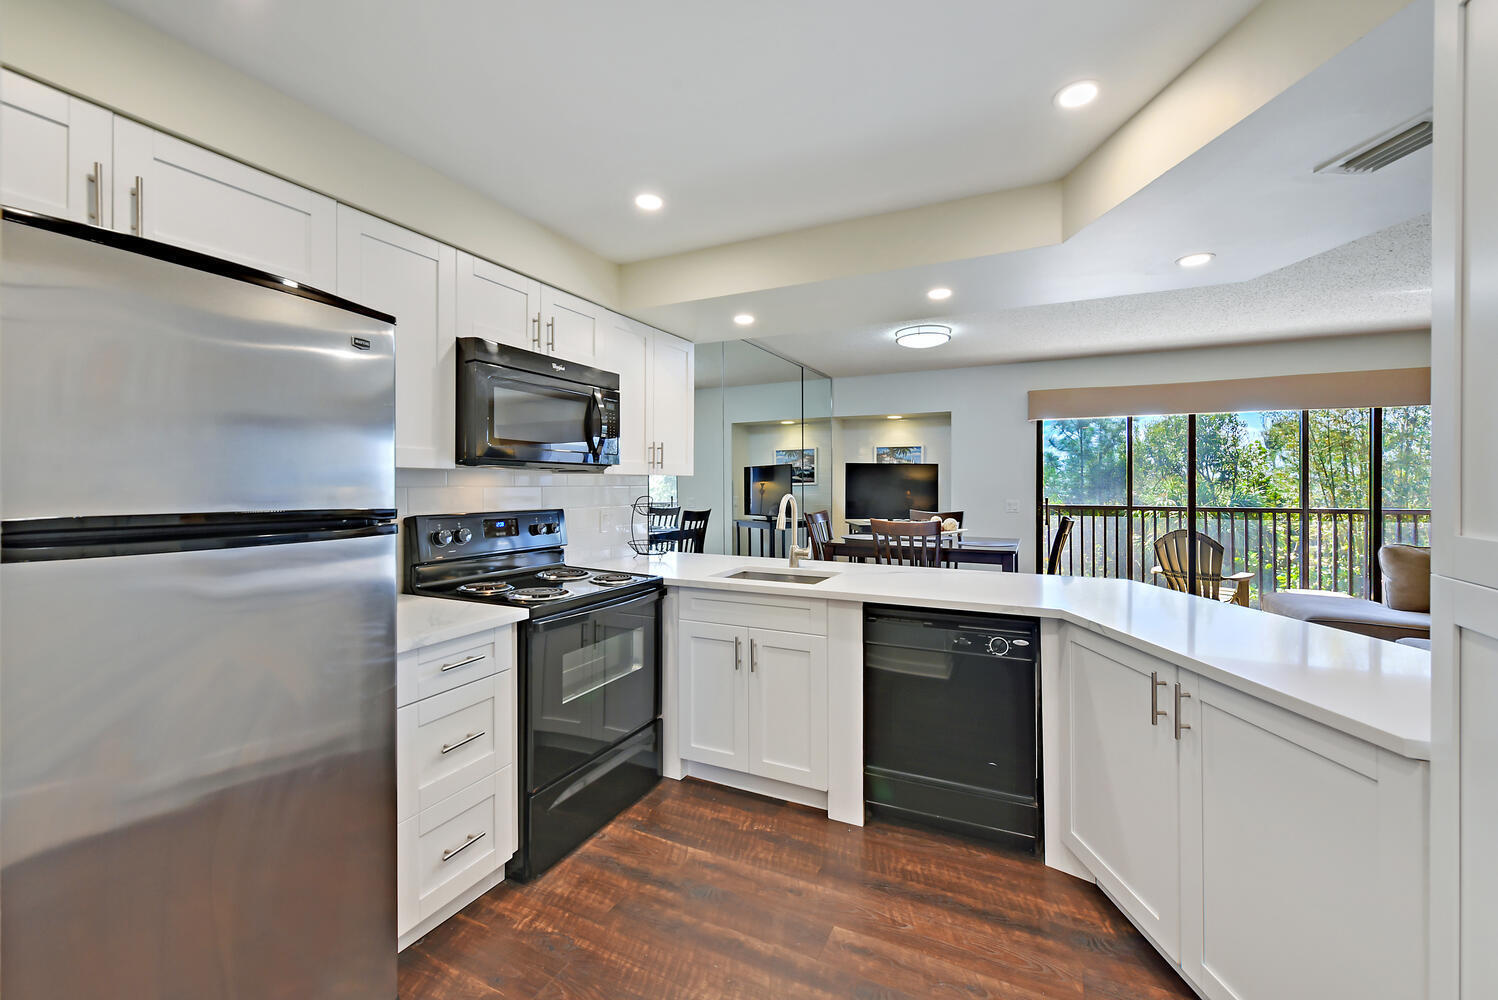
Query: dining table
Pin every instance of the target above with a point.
(956, 549)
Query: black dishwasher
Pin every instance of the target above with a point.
(951, 720)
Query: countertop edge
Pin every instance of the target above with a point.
(426, 621)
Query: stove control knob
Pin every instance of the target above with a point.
(535, 529)
(464, 536)
(550, 528)
(442, 536)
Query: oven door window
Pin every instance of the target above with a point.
(592, 679)
(532, 422)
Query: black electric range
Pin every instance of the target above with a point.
(588, 667)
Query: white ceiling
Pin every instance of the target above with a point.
(1378, 283)
(1251, 195)
(749, 118)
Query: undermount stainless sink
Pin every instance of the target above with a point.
(779, 576)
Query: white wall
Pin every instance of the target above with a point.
(995, 443)
(597, 506)
(113, 59)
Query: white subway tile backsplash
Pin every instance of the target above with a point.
(421, 477)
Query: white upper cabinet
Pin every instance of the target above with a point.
(671, 403)
(498, 305)
(571, 327)
(411, 277)
(1121, 813)
(626, 349)
(169, 190)
(55, 156)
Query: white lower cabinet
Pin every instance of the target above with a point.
(456, 802)
(754, 699)
(1269, 856)
(1123, 793)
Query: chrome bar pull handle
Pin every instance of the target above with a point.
(660, 456)
(97, 213)
(1179, 724)
(450, 747)
(738, 652)
(551, 334)
(1155, 685)
(139, 193)
(461, 663)
(473, 838)
(753, 655)
(536, 340)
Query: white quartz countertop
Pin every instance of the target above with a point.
(423, 621)
(1375, 690)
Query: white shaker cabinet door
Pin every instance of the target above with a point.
(169, 190)
(714, 709)
(572, 327)
(626, 351)
(56, 153)
(497, 304)
(411, 277)
(788, 707)
(1122, 808)
(1302, 856)
(671, 401)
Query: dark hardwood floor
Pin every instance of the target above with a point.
(701, 891)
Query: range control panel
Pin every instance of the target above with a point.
(447, 536)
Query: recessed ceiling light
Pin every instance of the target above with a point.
(895, 416)
(923, 336)
(786, 423)
(744, 319)
(649, 202)
(1195, 259)
(1076, 95)
(938, 294)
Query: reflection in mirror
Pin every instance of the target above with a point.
(753, 445)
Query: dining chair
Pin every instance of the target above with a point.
(694, 529)
(906, 543)
(819, 531)
(664, 518)
(1173, 563)
(945, 515)
(1058, 545)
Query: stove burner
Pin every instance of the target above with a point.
(612, 579)
(562, 573)
(538, 594)
(485, 589)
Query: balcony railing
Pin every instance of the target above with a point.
(1317, 548)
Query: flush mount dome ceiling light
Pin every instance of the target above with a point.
(1195, 259)
(923, 336)
(939, 294)
(744, 319)
(649, 202)
(1076, 95)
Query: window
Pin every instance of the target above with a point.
(1292, 496)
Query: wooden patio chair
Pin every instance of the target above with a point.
(1174, 564)
(906, 543)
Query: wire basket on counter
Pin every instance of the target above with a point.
(642, 512)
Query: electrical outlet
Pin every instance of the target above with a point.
(1011, 506)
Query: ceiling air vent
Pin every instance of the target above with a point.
(1380, 152)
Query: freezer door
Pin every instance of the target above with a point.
(197, 789)
(132, 384)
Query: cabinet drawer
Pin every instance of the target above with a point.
(448, 665)
(784, 614)
(450, 740)
(462, 839)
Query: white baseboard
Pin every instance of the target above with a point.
(754, 783)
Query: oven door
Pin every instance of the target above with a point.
(592, 678)
(508, 416)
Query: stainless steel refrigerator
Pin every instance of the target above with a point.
(197, 604)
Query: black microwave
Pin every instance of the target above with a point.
(521, 408)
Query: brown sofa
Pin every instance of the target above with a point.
(1404, 613)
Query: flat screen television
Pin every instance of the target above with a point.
(764, 485)
(888, 491)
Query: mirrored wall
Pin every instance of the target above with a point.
(763, 429)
